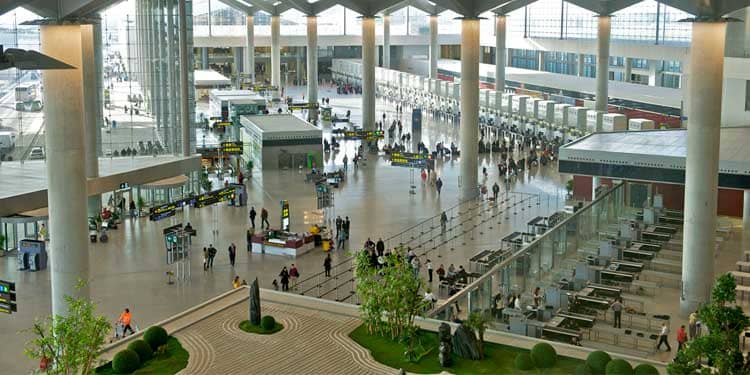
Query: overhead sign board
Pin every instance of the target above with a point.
(223, 123)
(233, 148)
(294, 106)
(213, 197)
(369, 135)
(412, 160)
(8, 297)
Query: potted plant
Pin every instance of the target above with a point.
(2, 244)
(569, 188)
(141, 205)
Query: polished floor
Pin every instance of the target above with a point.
(129, 270)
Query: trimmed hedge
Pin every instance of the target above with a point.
(584, 369)
(142, 349)
(598, 360)
(645, 369)
(267, 323)
(524, 362)
(126, 361)
(543, 355)
(619, 367)
(155, 337)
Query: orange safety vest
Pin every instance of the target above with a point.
(125, 318)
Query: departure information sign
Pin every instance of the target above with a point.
(8, 297)
(213, 197)
(294, 106)
(369, 135)
(264, 88)
(223, 123)
(233, 148)
(412, 160)
(285, 215)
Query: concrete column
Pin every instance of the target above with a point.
(581, 64)
(540, 60)
(312, 64)
(250, 48)
(276, 54)
(172, 54)
(500, 52)
(654, 75)
(184, 86)
(99, 68)
(91, 126)
(746, 211)
(298, 69)
(237, 52)
(469, 130)
(387, 41)
(66, 171)
(602, 62)
(368, 73)
(628, 69)
(204, 58)
(163, 77)
(434, 46)
(702, 164)
(594, 184)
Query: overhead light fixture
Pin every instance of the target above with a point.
(29, 60)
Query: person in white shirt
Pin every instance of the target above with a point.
(517, 303)
(429, 270)
(664, 337)
(429, 297)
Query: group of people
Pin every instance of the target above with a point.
(263, 217)
(342, 230)
(286, 276)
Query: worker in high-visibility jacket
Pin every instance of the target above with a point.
(124, 320)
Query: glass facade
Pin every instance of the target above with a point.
(524, 59)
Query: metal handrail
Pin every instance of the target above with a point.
(467, 289)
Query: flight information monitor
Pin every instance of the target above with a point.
(369, 135)
(412, 160)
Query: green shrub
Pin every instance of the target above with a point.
(155, 337)
(126, 362)
(142, 349)
(267, 323)
(584, 369)
(543, 355)
(619, 367)
(645, 369)
(598, 360)
(524, 362)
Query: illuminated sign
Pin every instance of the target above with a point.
(285, 215)
(8, 297)
(264, 88)
(215, 196)
(223, 123)
(294, 106)
(234, 148)
(412, 160)
(369, 135)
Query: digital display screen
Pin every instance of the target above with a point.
(285, 215)
(234, 148)
(369, 135)
(213, 197)
(303, 106)
(223, 123)
(412, 160)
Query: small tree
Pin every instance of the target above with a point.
(390, 295)
(725, 321)
(70, 343)
(478, 323)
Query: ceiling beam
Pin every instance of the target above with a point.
(511, 6)
(300, 5)
(262, 5)
(604, 8)
(708, 9)
(322, 5)
(426, 6)
(238, 5)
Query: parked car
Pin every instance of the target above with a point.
(36, 153)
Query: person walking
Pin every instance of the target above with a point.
(232, 254)
(681, 337)
(664, 337)
(693, 325)
(346, 226)
(443, 221)
(327, 265)
(439, 185)
(252, 216)
(617, 309)
(264, 218)
(416, 265)
(211, 254)
(429, 270)
(124, 321)
(132, 209)
(294, 275)
(339, 223)
(284, 276)
(495, 191)
(346, 162)
(380, 247)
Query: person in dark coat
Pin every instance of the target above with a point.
(327, 265)
(284, 276)
(252, 216)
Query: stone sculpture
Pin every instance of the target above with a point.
(465, 343)
(446, 348)
(255, 303)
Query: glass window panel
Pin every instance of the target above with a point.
(293, 22)
(419, 22)
(514, 23)
(398, 22)
(262, 22)
(200, 17)
(448, 24)
(354, 23)
(674, 31)
(579, 23)
(636, 22)
(544, 19)
(226, 20)
(331, 21)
